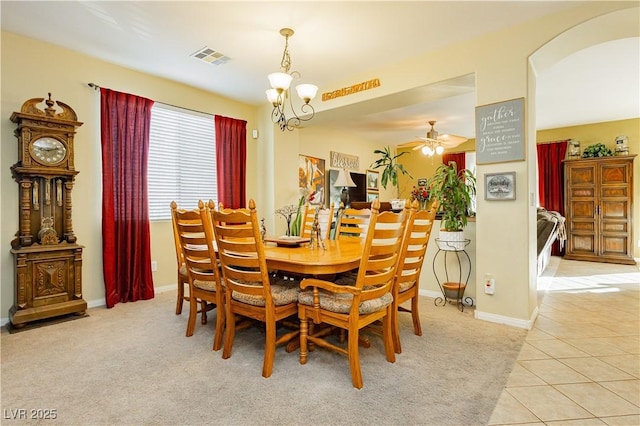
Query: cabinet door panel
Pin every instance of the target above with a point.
(583, 243)
(583, 175)
(581, 210)
(614, 245)
(614, 174)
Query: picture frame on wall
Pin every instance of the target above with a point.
(500, 186)
(500, 132)
(311, 177)
(373, 180)
(372, 195)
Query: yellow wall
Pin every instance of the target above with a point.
(31, 69)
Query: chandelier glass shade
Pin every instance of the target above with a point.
(279, 95)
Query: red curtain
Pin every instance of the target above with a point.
(458, 157)
(125, 121)
(231, 158)
(551, 179)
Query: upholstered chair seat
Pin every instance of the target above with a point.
(341, 302)
(283, 292)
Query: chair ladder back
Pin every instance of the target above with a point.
(380, 256)
(353, 223)
(241, 251)
(325, 220)
(195, 233)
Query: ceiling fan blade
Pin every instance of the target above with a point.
(417, 147)
(450, 141)
(409, 144)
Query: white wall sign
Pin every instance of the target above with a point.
(344, 161)
(500, 132)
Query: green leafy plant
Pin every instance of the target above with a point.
(596, 150)
(454, 190)
(390, 167)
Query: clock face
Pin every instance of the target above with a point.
(48, 150)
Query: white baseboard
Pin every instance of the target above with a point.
(430, 293)
(97, 303)
(485, 316)
(513, 322)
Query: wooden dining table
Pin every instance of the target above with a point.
(337, 256)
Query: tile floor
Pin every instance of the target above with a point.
(580, 364)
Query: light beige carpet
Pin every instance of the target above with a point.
(133, 365)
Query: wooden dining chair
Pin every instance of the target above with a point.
(369, 299)
(250, 290)
(406, 284)
(183, 276)
(352, 223)
(325, 220)
(195, 233)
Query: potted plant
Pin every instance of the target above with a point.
(453, 189)
(391, 168)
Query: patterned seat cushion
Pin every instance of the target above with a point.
(341, 302)
(183, 270)
(406, 285)
(205, 285)
(283, 292)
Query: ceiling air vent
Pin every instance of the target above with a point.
(210, 56)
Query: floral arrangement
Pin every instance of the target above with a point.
(420, 193)
(596, 150)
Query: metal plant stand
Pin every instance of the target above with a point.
(453, 290)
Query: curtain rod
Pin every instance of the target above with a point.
(556, 141)
(96, 87)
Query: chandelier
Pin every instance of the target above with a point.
(279, 94)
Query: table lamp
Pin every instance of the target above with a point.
(344, 180)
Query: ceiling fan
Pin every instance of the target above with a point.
(434, 143)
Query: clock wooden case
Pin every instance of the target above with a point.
(48, 260)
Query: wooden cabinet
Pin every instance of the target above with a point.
(598, 209)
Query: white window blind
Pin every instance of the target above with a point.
(182, 160)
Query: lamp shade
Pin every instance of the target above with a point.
(307, 91)
(272, 95)
(280, 80)
(344, 179)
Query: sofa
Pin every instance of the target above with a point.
(550, 227)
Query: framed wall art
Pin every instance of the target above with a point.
(500, 132)
(500, 186)
(311, 177)
(372, 180)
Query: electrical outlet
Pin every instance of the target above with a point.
(489, 284)
(154, 266)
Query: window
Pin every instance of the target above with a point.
(182, 160)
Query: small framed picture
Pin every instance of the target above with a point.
(372, 195)
(500, 186)
(372, 180)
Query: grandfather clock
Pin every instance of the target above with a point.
(48, 262)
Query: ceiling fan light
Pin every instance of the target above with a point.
(280, 80)
(307, 92)
(427, 150)
(439, 149)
